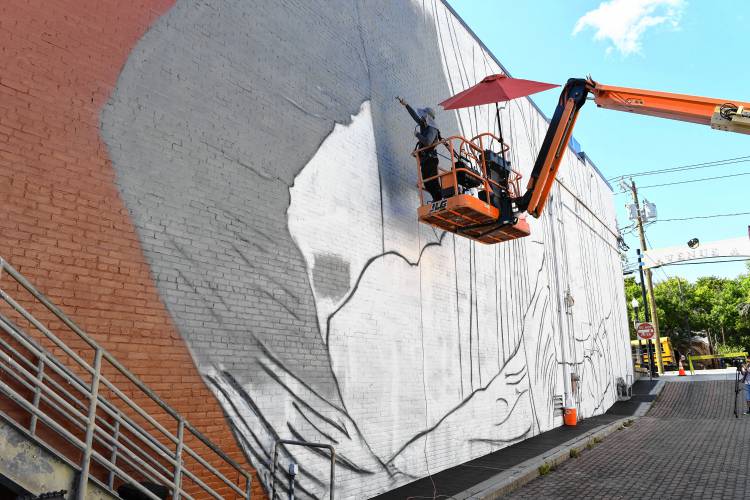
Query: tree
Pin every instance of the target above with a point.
(744, 307)
(718, 306)
(633, 291)
(676, 309)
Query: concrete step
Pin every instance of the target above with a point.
(28, 467)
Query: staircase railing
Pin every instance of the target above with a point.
(91, 411)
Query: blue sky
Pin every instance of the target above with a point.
(684, 46)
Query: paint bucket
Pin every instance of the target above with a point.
(569, 417)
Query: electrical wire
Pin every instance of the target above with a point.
(688, 181)
(681, 168)
(704, 217)
(586, 207)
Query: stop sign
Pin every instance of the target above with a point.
(645, 331)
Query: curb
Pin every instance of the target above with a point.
(518, 475)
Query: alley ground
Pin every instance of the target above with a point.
(689, 445)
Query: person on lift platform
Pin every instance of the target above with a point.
(427, 135)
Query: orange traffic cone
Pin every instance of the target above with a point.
(682, 370)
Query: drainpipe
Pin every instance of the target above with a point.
(569, 302)
(568, 403)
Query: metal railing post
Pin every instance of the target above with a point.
(333, 469)
(37, 394)
(178, 460)
(83, 479)
(72, 414)
(273, 470)
(453, 171)
(113, 457)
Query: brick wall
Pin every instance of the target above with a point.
(62, 221)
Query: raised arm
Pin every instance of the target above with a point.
(414, 115)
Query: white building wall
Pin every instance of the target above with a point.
(268, 171)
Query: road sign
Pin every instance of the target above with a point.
(645, 331)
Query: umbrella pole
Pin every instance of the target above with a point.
(500, 130)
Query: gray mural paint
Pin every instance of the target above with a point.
(218, 108)
(331, 276)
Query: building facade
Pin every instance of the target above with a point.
(222, 193)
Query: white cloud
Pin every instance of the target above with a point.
(623, 22)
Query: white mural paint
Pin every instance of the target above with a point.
(342, 176)
(402, 333)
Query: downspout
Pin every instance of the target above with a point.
(567, 399)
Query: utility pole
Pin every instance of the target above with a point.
(646, 318)
(649, 282)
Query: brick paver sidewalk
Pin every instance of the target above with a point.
(689, 445)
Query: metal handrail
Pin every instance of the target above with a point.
(62, 371)
(157, 462)
(61, 406)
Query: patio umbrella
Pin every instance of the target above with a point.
(495, 88)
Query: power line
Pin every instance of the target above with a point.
(704, 217)
(695, 180)
(689, 181)
(692, 166)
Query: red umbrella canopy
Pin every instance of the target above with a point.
(495, 88)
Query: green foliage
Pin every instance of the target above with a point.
(545, 469)
(633, 291)
(717, 306)
(727, 348)
(574, 453)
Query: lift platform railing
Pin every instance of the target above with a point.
(461, 153)
(85, 408)
(488, 141)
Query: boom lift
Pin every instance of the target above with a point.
(496, 213)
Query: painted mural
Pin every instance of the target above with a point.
(266, 166)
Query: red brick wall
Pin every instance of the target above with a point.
(62, 222)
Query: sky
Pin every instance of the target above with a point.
(683, 46)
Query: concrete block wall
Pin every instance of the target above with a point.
(229, 185)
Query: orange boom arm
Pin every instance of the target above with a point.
(720, 114)
(686, 108)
